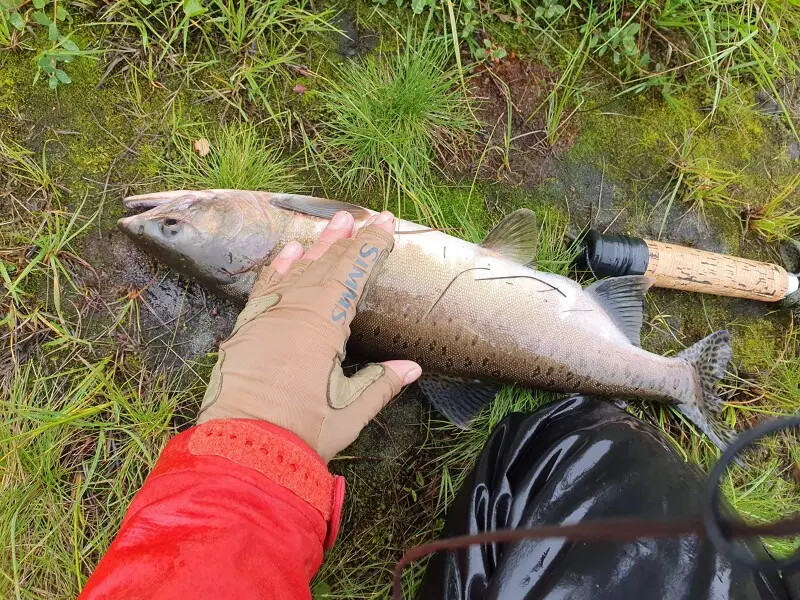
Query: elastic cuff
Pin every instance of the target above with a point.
(280, 456)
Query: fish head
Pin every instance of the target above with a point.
(217, 237)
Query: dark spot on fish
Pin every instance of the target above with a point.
(432, 346)
(468, 362)
(536, 371)
(474, 341)
(417, 342)
(405, 345)
(485, 362)
(449, 362)
(458, 337)
(549, 371)
(377, 331)
(551, 383)
(230, 258)
(449, 319)
(444, 350)
(496, 373)
(396, 339)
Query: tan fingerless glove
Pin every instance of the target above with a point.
(282, 363)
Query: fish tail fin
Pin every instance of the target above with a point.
(709, 357)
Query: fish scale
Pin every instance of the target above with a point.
(473, 316)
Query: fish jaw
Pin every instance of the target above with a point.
(153, 200)
(156, 199)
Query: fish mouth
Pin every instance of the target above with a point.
(148, 201)
(132, 225)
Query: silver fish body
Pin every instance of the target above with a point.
(468, 314)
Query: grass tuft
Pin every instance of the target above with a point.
(778, 219)
(392, 117)
(76, 445)
(238, 158)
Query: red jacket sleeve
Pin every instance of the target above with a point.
(232, 509)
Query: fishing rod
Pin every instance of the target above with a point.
(681, 268)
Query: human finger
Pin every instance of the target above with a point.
(271, 275)
(407, 371)
(291, 252)
(359, 398)
(355, 262)
(385, 220)
(339, 228)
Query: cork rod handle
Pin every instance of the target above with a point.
(693, 270)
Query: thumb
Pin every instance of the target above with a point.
(407, 371)
(375, 392)
(358, 399)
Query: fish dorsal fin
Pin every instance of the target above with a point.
(516, 237)
(460, 400)
(623, 299)
(316, 207)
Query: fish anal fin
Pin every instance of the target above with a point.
(516, 237)
(316, 207)
(623, 300)
(460, 400)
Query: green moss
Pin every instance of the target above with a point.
(645, 131)
(756, 345)
(675, 320)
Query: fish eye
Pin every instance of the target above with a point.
(170, 227)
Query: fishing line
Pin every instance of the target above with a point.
(549, 285)
(447, 287)
(710, 523)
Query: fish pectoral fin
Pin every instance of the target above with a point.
(623, 300)
(516, 237)
(316, 207)
(460, 400)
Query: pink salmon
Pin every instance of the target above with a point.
(474, 316)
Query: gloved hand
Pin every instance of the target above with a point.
(282, 363)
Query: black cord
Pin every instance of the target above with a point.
(716, 524)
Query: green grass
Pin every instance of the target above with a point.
(77, 439)
(83, 409)
(393, 119)
(699, 183)
(21, 165)
(246, 54)
(779, 218)
(238, 157)
(82, 421)
(711, 44)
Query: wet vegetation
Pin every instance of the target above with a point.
(671, 120)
